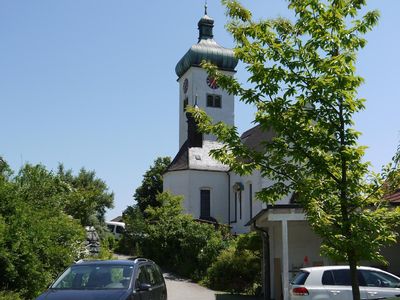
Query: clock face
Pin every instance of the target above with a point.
(185, 85)
(212, 82)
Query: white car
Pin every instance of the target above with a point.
(116, 228)
(333, 283)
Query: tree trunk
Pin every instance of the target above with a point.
(355, 286)
(344, 209)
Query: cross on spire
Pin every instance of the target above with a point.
(205, 7)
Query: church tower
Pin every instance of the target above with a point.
(196, 87)
(194, 174)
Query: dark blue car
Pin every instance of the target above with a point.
(138, 279)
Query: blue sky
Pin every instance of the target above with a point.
(92, 83)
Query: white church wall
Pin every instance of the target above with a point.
(251, 185)
(189, 183)
(217, 183)
(268, 182)
(257, 183)
(178, 184)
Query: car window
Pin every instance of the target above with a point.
(99, 278)
(73, 278)
(340, 277)
(151, 276)
(300, 278)
(94, 277)
(158, 274)
(143, 276)
(380, 279)
(155, 275)
(110, 227)
(327, 278)
(126, 276)
(119, 229)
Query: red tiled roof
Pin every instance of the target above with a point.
(394, 198)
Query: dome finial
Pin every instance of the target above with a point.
(205, 25)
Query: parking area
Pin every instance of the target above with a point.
(182, 289)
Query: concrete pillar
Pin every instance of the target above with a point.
(266, 270)
(285, 260)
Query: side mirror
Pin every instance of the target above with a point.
(144, 287)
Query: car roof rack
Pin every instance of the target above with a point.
(135, 259)
(79, 261)
(138, 259)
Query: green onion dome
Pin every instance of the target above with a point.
(206, 49)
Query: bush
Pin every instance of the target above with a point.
(135, 228)
(173, 239)
(8, 295)
(37, 239)
(106, 248)
(238, 268)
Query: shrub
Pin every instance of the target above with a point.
(173, 239)
(135, 228)
(37, 239)
(238, 268)
(8, 295)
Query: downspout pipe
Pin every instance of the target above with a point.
(266, 268)
(229, 197)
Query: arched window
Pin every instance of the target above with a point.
(251, 200)
(237, 189)
(205, 204)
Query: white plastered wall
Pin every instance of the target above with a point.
(303, 249)
(237, 223)
(188, 183)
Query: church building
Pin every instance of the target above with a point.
(212, 192)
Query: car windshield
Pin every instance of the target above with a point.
(94, 277)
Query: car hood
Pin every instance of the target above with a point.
(84, 294)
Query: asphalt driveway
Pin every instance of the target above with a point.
(182, 289)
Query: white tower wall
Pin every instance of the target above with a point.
(198, 89)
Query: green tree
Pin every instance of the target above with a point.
(145, 196)
(152, 184)
(304, 87)
(37, 238)
(89, 197)
(135, 227)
